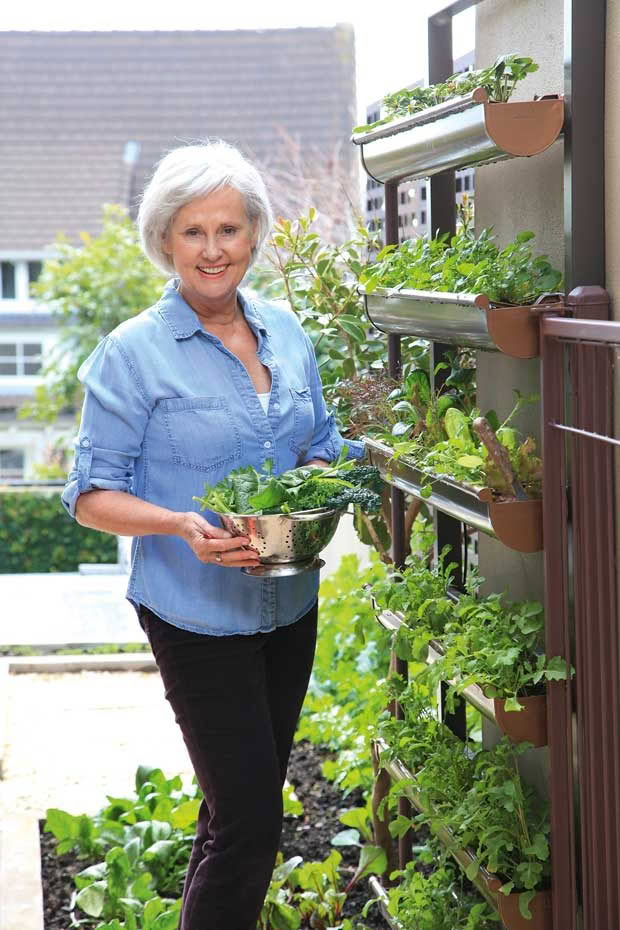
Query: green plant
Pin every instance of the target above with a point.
(443, 440)
(438, 901)
(36, 535)
(498, 645)
(499, 80)
(346, 694)
(464, 263)
(476, 794)
(143, 844)
(246, 491)
(278, 911)
(90, 289)
(320, 281)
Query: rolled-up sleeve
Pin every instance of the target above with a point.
(114, 417)
(327, 443)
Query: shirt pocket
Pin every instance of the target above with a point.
(303, 420)
(201, 432)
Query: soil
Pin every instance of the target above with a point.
(308, 836)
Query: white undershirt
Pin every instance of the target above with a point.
(264, 400)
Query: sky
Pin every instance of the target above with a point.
(390, 50)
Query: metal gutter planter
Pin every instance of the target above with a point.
(459, 319)
(487, 883)
(516, 523)
(460, 133)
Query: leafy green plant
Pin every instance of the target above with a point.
(444, 440)
(36, 535)
(346, 694)
(320, 281)
(438, 901)
(465, 263)
(278, 911)
(474, 793)
(499, 80)
(309, 487)
(498, 645)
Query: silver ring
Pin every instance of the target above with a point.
(218, 556)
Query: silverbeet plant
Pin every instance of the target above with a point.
(499, 80)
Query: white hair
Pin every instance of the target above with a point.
(192, 171)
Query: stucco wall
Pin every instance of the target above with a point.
(512, 196)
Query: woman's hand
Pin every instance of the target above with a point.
(213, 544)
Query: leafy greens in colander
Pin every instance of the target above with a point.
(247, 491)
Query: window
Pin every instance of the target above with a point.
(423, 217)
(369, 204)
(20, 358)
(34, 270)
(11, 463)
(403, 197)
(423, 192)
(400, 219)
(458, 185)
(466, 181)
(411, 192)
(7, 280)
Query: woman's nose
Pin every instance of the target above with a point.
(211, 248)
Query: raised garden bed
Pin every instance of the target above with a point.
(516, 523)
(459, 319)
(465, 132)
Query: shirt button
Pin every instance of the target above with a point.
(276, 406)
(85, 443)
(267, 444)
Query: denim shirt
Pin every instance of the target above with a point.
(168, 407)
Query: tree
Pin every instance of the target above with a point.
(90, 289)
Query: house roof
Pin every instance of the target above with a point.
(70, 102)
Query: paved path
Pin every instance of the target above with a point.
(74, 738)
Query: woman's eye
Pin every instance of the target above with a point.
(191, 232)
(230, 230)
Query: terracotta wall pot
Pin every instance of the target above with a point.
(540, 907)
(529, 724)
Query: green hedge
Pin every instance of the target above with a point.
(37, 535)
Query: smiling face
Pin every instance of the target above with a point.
(210, 242)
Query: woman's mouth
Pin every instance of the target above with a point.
(212, 272)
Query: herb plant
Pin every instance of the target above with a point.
(465, 263)
(499, 80)
(438, 901)
(477, 795)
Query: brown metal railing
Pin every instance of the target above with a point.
(578, 357)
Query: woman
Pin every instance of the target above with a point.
(206, 381)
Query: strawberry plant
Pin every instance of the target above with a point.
(499, 80)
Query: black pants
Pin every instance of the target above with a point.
(237, 700)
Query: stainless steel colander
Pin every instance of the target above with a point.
(287, 543)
